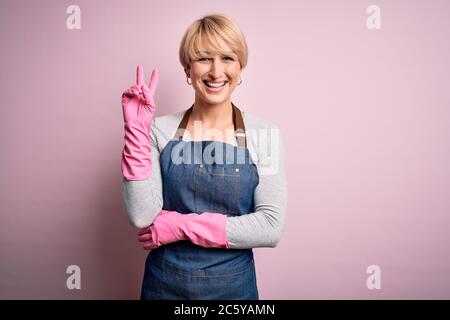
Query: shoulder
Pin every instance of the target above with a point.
(164, 127)
(168, 121)
(253, 122)
(259, 129)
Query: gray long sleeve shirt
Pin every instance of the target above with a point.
(143, 199)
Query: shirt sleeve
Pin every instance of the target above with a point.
(263, 228)
(143, 199)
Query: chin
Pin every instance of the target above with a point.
(216, 100)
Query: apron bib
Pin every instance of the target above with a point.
(201, 176)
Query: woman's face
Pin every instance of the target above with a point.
(215, 75)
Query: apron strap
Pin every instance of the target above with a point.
(183, 124)
(238, 121)
(239, 127)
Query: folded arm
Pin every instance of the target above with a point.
(262, 228)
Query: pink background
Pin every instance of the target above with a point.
(364, 115)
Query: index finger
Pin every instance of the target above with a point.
(140, 75)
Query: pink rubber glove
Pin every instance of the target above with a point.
(138, 106)
(207, 230)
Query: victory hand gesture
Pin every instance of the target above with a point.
(138, 106)
(138, 101)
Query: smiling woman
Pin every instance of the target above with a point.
(191, 213)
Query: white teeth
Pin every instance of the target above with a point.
(215, 84)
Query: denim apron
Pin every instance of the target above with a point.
(200, 176)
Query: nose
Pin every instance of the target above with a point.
(216, 69)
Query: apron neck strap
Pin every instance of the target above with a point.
(238, 121)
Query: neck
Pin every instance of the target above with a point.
(212, 115)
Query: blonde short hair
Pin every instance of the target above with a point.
(208, 30)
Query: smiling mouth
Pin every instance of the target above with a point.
(214, 84)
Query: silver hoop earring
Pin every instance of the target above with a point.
(187, 80)
(240, 81)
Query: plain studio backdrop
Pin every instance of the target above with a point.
(364, 114)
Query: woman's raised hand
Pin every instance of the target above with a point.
(138, 101)
(138, 106)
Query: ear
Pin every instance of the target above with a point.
(188, 72)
